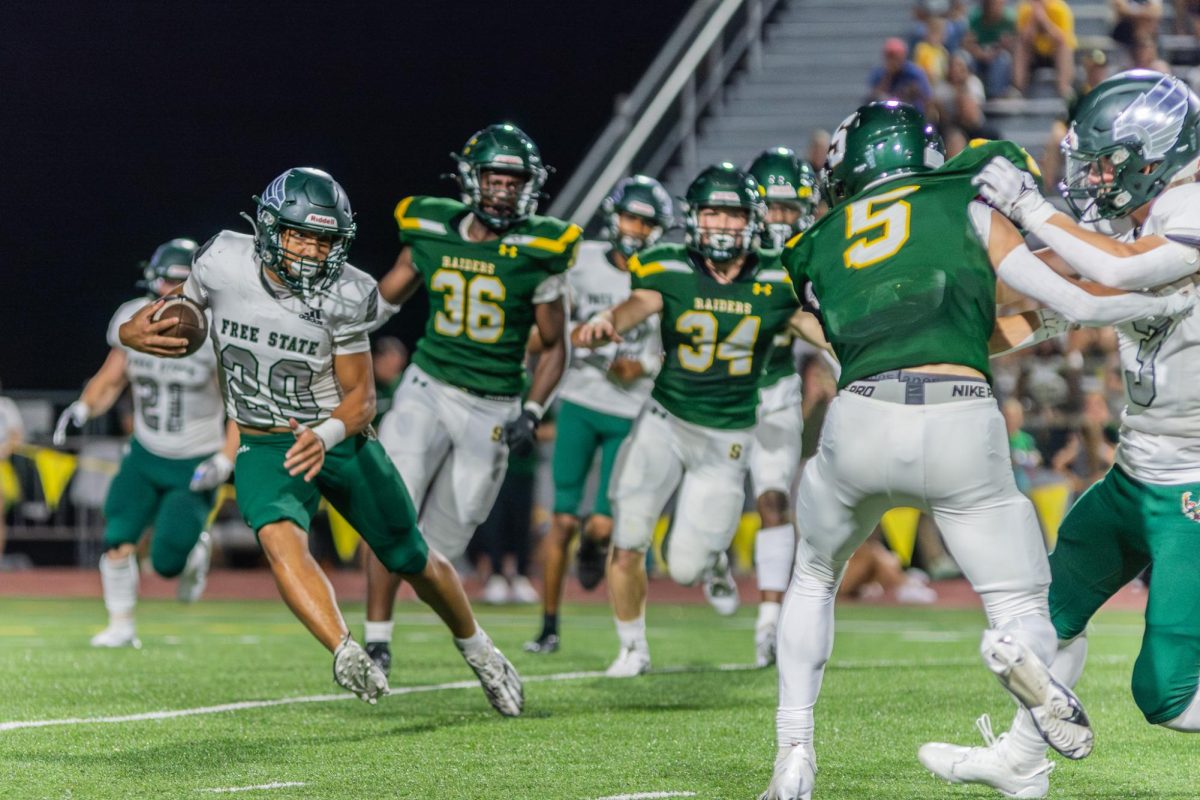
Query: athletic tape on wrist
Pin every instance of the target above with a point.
(331, 432)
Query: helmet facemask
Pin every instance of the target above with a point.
(627, 244)
(499, 209)
(723, 244)
(642, 198)
(302, 273)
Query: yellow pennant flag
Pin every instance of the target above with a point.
(10, 487)
(1051, 502)
(345, 538)
(55, 470)
(743, 541)
(900, 530)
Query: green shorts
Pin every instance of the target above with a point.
(358, 479)
(1118, 527)
(150, 489)
(579, 432)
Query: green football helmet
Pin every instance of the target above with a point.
(877, 142)
(502, 148)
(643, 197)
(304, 199)
(1131, 137)
(171, 263)
(786, 179)
(723, 186)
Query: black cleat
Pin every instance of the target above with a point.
(381, 654)
(590, 561)
(546, 643)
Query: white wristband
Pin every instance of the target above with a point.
(331, 432)
(535, 408)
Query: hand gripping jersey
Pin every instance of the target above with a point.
(715, 336)
(482, 294)
(1160, 425)
(177, 411)
(595, 285)
(275, 349)
(901, 275)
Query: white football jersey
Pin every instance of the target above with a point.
(275, 349)
(177, 410)
(595, 285)
(1160, 425)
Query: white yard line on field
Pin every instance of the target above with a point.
(646, 795)
(278, 785)
(246, 705)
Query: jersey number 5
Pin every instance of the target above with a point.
(737, 349)
(862, 218)
(466, 305)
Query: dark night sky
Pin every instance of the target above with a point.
(126, 124)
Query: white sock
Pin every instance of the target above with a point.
(768, 613)
(1024, 739)
(1189, 720)
(774, 549)
(794, 726)
(378, 631)
(633, 632)
(119, 578)
(475, 647)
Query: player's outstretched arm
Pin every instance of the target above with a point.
(550, 326)
(1083, 303)
(140, 334)
(806, 325)
(98, 396)
(401, 281)
(1145, 263)
(608, 325)
(351, 416)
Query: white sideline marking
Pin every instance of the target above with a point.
(441, 687)
(277, 785)
(647, 795)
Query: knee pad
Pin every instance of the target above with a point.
(168, 565)
(773, 552)
(687, 565)
(1165, 681)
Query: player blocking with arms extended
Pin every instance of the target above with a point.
(602, 392)
(289, 321)
(181, 451)
(788, 185)
(721, 302)
(493, 270)
(910, 312)
(1132, 153)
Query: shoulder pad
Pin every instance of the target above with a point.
(980, 151)
(660, 259)
(544, 237)
(1176, 214)
(429, 215)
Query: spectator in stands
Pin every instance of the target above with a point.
(1135, 20)
(12, 433)
(1026, 457)
(1089, 450)
(1187, 17)
(991, 40)
(1045, 38)
(954, 139)
(818, 148)
(957, 24)
(389, 358)
(1096, 68)
(959, 100)
(1143, 54)
(897, 78)
(930, 53)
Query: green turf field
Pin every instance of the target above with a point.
(899, 677)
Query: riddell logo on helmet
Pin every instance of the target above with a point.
(725, 197)
(638, 207)
(502, 158)
(320, 219)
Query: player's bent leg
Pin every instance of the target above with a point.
(592, 557)
(554, 570)
(302, 584)
(177, 528)
(119, 580)
(129, 507)
(774, 551)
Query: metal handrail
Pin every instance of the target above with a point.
(686, 77)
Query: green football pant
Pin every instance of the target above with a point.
(579, 431)
(1118, 527)
(150, 489)
(358, 479)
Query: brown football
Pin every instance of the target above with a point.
(190, 322)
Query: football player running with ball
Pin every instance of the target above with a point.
(602, 393)
(181, 451)
(721, 302)
(910, 313)
(1132, 153)
(289, 321)
(788, 185)
(494, 270)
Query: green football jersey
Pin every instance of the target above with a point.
(780, 361)
(900, 273)
(715, 335)
(482, 294)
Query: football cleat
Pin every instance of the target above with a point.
(590, 561)
(794, 775)
(381, 654)
(195, 572)
(720, 590)
(993, 765)
(630, 662)
(546, 643)
(764, 644)
(117, 634)
(353, 669)
(499, 680)
(1056, 711)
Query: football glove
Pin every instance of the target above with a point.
(75, 414)
(521, 433)
(1014, 193)
(211, 473)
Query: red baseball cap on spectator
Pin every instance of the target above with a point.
(895, 46)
